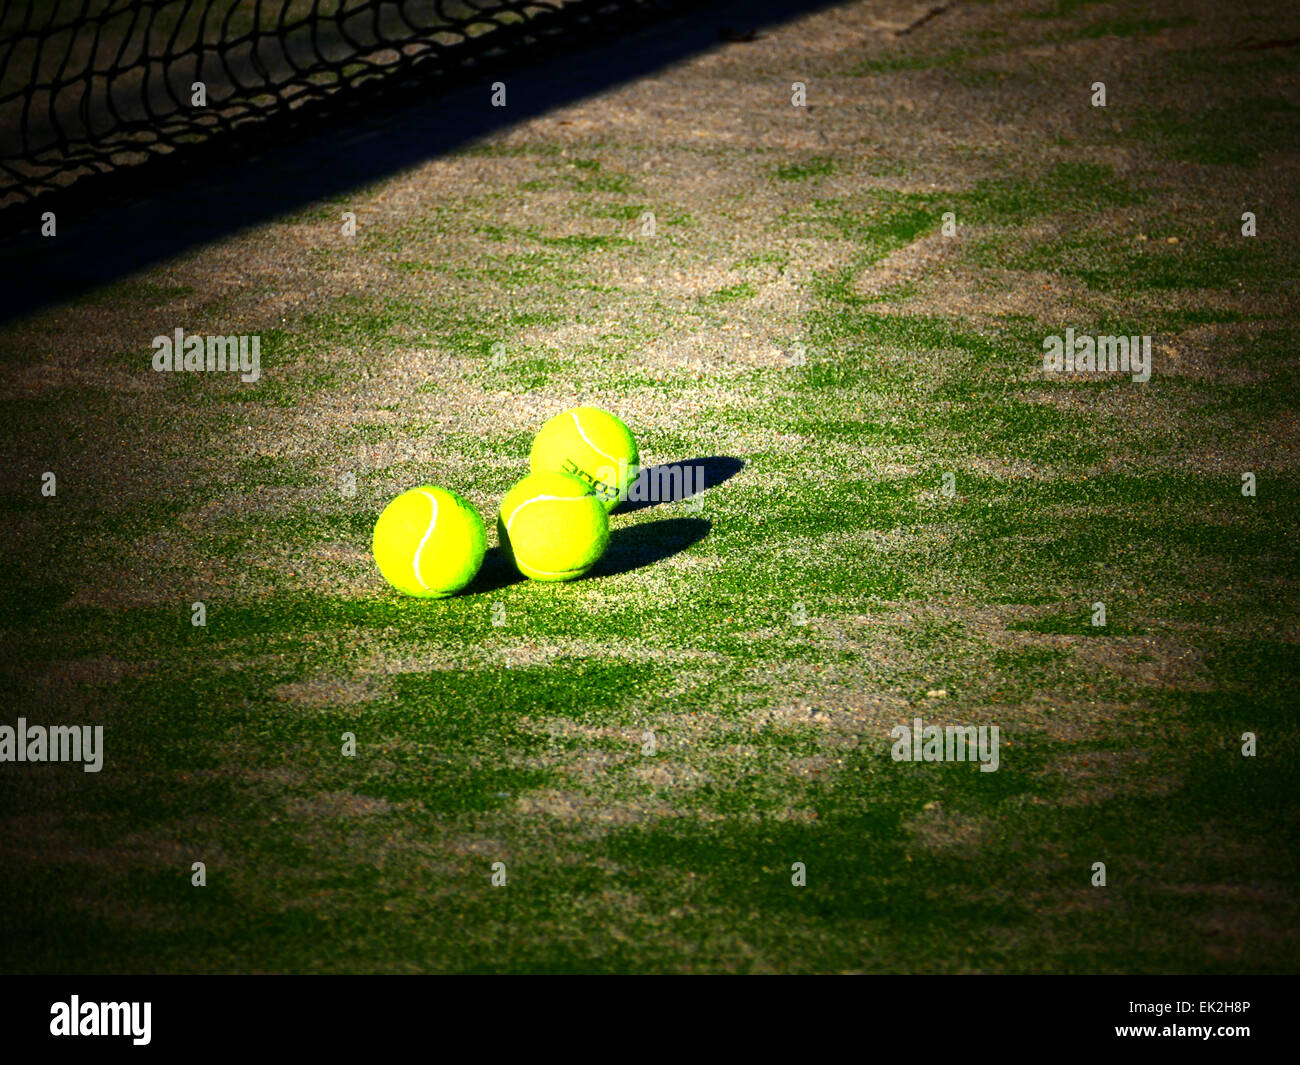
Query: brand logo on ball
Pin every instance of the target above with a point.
(603, 490)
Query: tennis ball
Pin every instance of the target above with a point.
(429, 542)
(593, 446)
(553, 526)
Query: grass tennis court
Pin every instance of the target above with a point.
(839, 315)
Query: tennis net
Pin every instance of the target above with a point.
(91, 86)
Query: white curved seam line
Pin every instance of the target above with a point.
(540, 499)
(557, 572)
(578, 425)
(433, 520)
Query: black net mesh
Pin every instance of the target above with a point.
(95, 85)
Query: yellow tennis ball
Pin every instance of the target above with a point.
(553, 526)
(429, 542)
(592, 445)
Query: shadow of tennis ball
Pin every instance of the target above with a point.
(638, 546)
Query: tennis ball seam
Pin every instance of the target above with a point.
(433, 520)
(542, 499)
(557, 572)
(577, 424)
(568, 525)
